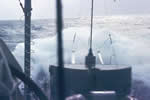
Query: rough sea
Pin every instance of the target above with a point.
(130, 44)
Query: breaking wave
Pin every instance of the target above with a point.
(130, 36)
(127, 51)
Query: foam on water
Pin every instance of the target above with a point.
(130, 49)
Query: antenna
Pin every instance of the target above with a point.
(27, 66)
(91, 35)
(90, 59)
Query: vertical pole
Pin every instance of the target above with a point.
(60, 48)
(91, 37)
(90, 59)
(27, 11)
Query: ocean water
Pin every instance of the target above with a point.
(130, 37)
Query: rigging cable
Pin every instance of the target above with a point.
(21, 5)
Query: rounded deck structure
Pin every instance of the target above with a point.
(78, 79)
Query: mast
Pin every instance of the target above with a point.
(90, 59)
(60, 49)
(27, 57)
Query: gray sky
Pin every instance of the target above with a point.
(10, 9)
